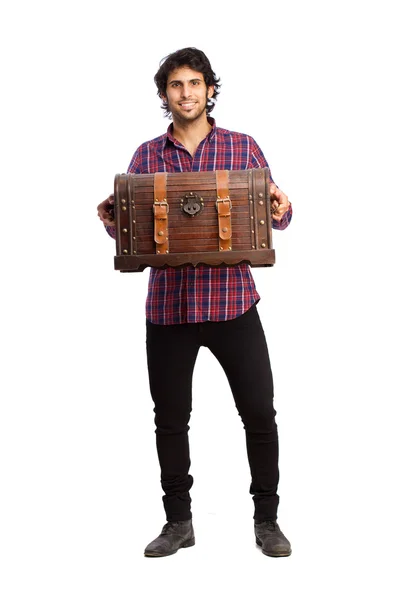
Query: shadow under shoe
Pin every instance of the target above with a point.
(271, 539)
(174, 535)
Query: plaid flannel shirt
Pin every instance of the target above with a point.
(197, 294)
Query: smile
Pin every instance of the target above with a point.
(187, 105)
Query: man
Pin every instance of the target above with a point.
(190, 307)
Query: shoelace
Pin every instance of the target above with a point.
(270, 525)
(170, 526)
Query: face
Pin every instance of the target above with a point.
(187, 95)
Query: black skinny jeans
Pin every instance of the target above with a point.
(240, 347)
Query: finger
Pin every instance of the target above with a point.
(277, 213)
(103, 205)
(105, 218)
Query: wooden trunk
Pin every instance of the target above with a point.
(175, 219)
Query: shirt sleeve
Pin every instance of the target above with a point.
(135, 166)
(258, 161)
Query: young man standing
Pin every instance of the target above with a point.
(190, 307)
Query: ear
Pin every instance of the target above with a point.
(210, 91)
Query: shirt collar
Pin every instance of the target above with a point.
(209, 137)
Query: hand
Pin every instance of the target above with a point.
(104, 211)
(279, 202)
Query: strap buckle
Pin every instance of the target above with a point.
(223, 200)
(160, 203)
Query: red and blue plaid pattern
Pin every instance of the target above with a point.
(197, 294)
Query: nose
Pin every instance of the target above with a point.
(185, 90)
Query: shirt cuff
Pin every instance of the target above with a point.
(284, 222)
(111, 231)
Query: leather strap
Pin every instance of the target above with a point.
(161, 209)
(224, 205)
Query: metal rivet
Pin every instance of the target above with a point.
(251, 217)
(224, 229)
(221, 248)
(134, 252)
(123, 207)
(250, 197)
(125, 251)
(134, 238)
(260, 202)
(167, 252)
(230, 248)
(252, 231)
(158, 252)
(124, 230)
(160, 233)
(262, 222)
(253, 247)
(133, 221)
(263, 245)
(123, 201)
(260, 195)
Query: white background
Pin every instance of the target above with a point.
(316, 84)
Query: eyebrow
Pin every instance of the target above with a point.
(180, 81)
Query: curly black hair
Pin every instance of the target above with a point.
(187, 57)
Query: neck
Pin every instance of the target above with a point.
(191, 133)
